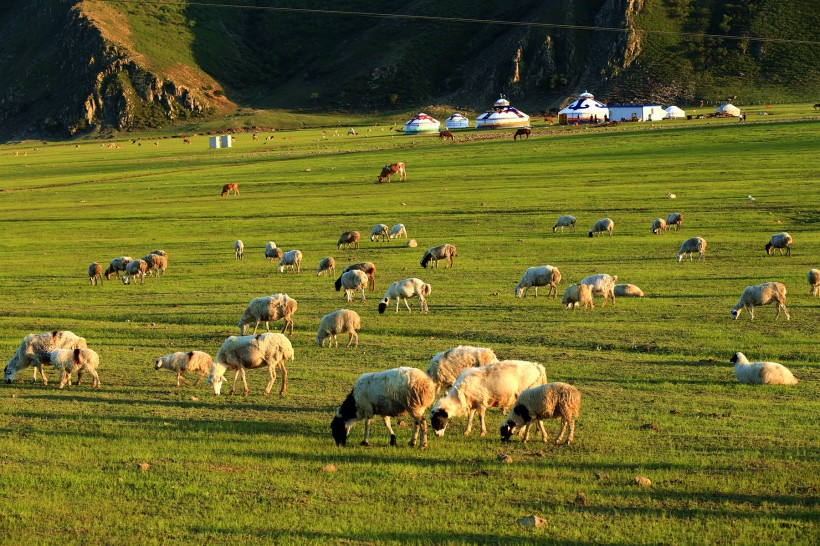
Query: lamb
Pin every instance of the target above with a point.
(239, 249)
(602, 284)
(630, 290)
(182, 362)
(351, 281)
(379, 230)
(342, 321)
(578, 294)
(268, 308)
(407, 288)
(762, 294)
(675, 219)
(390, 393)
(117, 265)
(601, 226)
(564, 221)
(369, 269)
(761, 373)
(348, 239)
(441, 252)
(814, 281)
(272, 252)
(292, 259)
(780, 241)
(658, 226)
(95, 273)
(33, 345)
(83, 360)
(492, 386)
(553, 400)
(326, 266)
(156, 262)
(690, 246)
(398, 231)
(545, 275)
(135, 268)
(250, 352)
(447, 365)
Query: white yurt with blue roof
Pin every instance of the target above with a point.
(502, 116)
(422, 123)
(584, 110)
(457, 121)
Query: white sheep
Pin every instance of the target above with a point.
(292, 259)
(544, 275)
(379, 231)
(564, 221)
(578, 294)
(351, 281)
(27, 353)
(814, 281)
(780, 241)
(268, 308)
(348, 239)
(553, 400)
(761, 373)
(342, 321)
(658, 226)
(674, 219)
(95, 273)
(326, 266)
(239, 249)
(398, 231)
(602, 284)
(250, 352)
(447, 365)
(690, 246)
(369, 269)
(627, 290)
(604, 225)
(762, 294)
(272, 252)
(493, 386)
(411, 243)
(81, 360)
(117, 265)
(390, 393)
(135, 268)
(156, 262)
(160, 253)
(182, 362)
(441, 252)
(404, 289)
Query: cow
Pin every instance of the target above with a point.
(522, 133)
(390, 170)
(228, 188)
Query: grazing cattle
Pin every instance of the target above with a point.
(522, 133)
(443, 135)
(816, 106)
(186, 140)
(228, 188)
(391, 169)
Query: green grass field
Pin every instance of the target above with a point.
(729, 463)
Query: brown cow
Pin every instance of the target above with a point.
(228, 188)
(443, 135)
(391, 169)
(522, 133)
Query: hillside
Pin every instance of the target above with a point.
(90, 65)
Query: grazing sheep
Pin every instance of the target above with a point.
(272, 252)
(239, 249)
(250, 352)
(564, 221)
(292, 259)
(658, 226)
(601, 226)
(348, 239)
(228, 188)
(406, 288)
(95, 273)
(690, 246)
(493, 386)
(411, 243)
(27, 353)
(370, 270)
(762, 294)
(398, 231)
(343, 321)
(441, 252)
(379, 230)
(780, 241)
(814, 281)
(545, 275)
(159, 253)
(135, 268)
(447, 365)
(351, 281)
(156, 262)
(602, 284)
(268, 308)
(553, 400)
(761, 373)
(390, 393)
(326, 266)
(81, 360)
(117, 265)
(627, 290)
(578, 294)
(181, 362)
(674, 219)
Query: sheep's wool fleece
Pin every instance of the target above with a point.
(393, 392)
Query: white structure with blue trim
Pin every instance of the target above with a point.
(502, 116)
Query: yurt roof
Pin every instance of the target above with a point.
(586, 103)
(674, 112)
(728, 108)
(457, 116)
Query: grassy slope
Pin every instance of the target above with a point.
(730, 463)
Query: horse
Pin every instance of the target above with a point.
(443, 135)
(522, 133)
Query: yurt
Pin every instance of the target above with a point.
(457, 121)
(422, 123)
(673, 112)
(584, 110)
(728, 109)
(502, 116)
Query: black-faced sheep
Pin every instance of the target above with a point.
(349, 239)
(250, 352)
(398, 231)
(390, 393)
(33, 345)
(379, 231)
(553, 400)
(578, 294)
(604, 225)
(692, 245)
(369, 269)
(658, 226)
(447, 365)
(602, 284)
(351, 281)
(68, 361)
(813, 277)
(326, 266)
(117, 265)
(674, 219)
(342, 321)
(627, 290)
(441, 252)
(181, 362)
(760, 373)
(404, 289)
(544, 275)
(134, 269)
(268, 308)
(780, 241)
(564, 221)
(95, 273)
(292, 259)
(238, 249)
(272, 252)
(762, 294)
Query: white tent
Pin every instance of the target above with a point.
(502, 116)
(585, 110)
(457, 121)
(422, 123)
(673, 112)
(728, 109)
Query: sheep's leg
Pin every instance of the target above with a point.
(571, 437)
(65, 379)
(350, 336)
(423, 433)
(267, 326)
(481, 411)
(244, 383)
(397, 305)
(423, 303)
(469, 428)
(96, 382)
(541, 428)
(272, 372)
(390, 429)
(407, 304)
(536, 291)
(79, 377)
(751, 310)
(366, 441)
(334, 339)
(199, 379)
(526, 430)
(235, 377)
(284, 378)
(363, 299)
(179, 377)
(416, 429)
(563, 431)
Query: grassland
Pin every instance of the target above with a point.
(729, 463)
